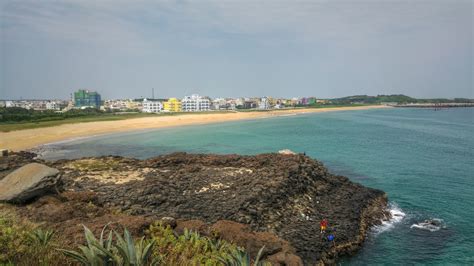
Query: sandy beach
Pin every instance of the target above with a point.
(30, 138)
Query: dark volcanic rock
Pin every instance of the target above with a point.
(285, 195)
(27, 182)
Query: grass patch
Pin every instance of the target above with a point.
(93, 165)
(24, 243)
(189, 248)
(12, 126)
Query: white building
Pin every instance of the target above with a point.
(152, 106)
(264, 103)
(195, 103)
(52, 106)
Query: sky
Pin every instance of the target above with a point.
(238, 48)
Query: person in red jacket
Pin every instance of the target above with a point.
(324, 225)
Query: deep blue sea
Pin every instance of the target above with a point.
(422, 158)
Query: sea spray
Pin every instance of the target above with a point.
(397, 216)
(431, 225)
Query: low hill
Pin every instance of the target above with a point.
(395, 98)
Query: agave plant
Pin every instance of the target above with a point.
(219, 245)
(41, 237)
(132, 253)
(241, 258)
(103, 252)
(98, 252)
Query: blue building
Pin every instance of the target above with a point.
(85, 98)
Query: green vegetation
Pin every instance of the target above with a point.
(24, 243)
(241, 258)
(94, 164)
(190, 248)
(124, 251)
(15, 118)
(17, 114)
(396, 98)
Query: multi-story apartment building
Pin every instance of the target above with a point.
(264, 103)
(85, 98)
(150, 106)
(195, 103)
(172, 105)
(52, 106)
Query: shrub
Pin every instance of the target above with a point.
(13, 238)
(190, 248)
(105, 252)
(42, 238)
(23, 243)
(241, 258)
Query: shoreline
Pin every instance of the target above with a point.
(31, 138)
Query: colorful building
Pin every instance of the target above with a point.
(172, 105)
(85, 98)
(307, 101)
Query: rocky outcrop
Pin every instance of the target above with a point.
(283, 195)
(27, 182)
(287, 195)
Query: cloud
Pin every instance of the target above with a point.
(80, 22)
(140, 24)
(417, 44)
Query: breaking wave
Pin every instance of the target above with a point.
(397, 216)
(431, 225)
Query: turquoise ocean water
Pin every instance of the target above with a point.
(423, 159)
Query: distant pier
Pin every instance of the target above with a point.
(433, 105)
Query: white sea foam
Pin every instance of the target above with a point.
(397, 216)
(431, 225)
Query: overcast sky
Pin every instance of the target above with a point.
(325, 49)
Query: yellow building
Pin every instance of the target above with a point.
(172, 105)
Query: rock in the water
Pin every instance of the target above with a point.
(287, 152)
(28, 182)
